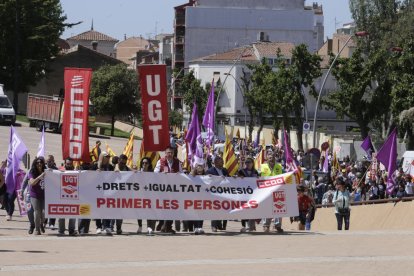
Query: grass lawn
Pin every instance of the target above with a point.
(106, 130)
(22, 118)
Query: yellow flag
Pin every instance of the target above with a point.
(229, 157)
(110, 151)
(129, 150)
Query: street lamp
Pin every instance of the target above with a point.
(244, 104)
(357, 34)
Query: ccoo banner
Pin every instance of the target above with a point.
(131, 195)
(75, 129)
(153, 82)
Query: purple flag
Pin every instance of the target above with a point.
(41, 148)
(368, 147)
(194, 139)
(17, 149)
(208, 120)
(326, 162)
(387, 155)
(290, 162)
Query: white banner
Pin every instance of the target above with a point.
(139, 195)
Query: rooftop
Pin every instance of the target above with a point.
(92, 35)
(252, 52)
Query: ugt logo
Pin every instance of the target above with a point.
(279, 202)
(69, 188)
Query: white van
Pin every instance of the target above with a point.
(7, 114)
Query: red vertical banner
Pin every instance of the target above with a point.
(75, 129)
(153, 82)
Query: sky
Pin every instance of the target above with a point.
(117, 18)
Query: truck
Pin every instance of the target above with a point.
(47, 111)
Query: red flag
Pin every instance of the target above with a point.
(75, 129)
(153, 83)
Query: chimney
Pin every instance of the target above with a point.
(94, 45)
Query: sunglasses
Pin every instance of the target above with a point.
(39, 162)
(145, 163)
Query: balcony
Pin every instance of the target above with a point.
(180, 20)
(179, 40)
(179, 57)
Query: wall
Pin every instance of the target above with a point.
(53, 81)
(264, 4)
(104, 47)
(215, 30)
(127, 49)
(370, 217)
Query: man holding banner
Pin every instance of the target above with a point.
(271, 168)
(168, 164)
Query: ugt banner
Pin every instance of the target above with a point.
(131, 195)
(153, 82)
(75, 130)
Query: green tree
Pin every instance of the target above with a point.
(389, 24)
(280, 100)
(175, 118)
(257, 98)
(246, 87)
(114, 92)
(403, 91)
(355, 98)
(304, 69)
(29, 32)
(192, 91)
(406, 122)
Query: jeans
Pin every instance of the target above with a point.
(71, 226)
(30, 216)
(343, 218)
(250, 223)
(198, 223)
(151, 224)
(83, 226)
(9, 202)
(39, 211)
(51, 221)
(278, 222)
(103, 224)
(219, 224)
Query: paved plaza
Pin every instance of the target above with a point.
(225, 253)
(361, 252)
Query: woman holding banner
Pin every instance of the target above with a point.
(103, 165)
(248, 225)
(37, 192)
(198, 224)
(146, 166)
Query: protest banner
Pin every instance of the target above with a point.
(131, 195)
(75, 129)
(153, 84)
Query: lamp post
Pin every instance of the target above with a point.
(357, 34)
(244, 104)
